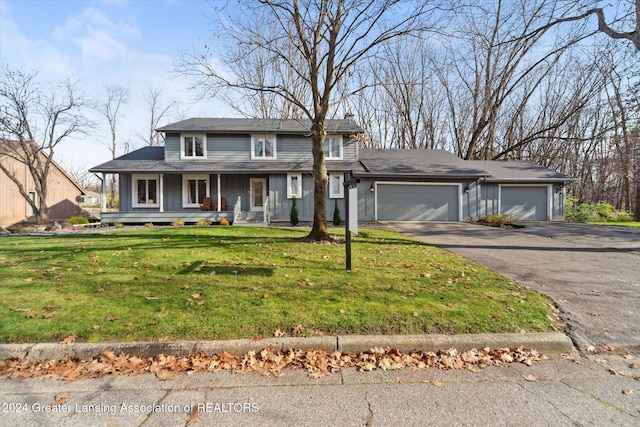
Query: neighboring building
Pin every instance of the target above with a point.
(257, 166)
(63, 197)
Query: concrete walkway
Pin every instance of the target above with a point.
(592, 273)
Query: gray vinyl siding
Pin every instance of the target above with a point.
(280, 205)
(558, 198)
(488, 199)
(237, 148)
(125, 200)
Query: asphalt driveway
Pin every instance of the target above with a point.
(592, 273)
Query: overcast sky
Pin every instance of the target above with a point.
(132, 43)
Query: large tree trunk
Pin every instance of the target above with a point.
(320, 180)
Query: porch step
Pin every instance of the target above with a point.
(250, 218)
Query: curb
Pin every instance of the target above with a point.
(546, 343)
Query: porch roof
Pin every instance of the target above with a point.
(151, 160)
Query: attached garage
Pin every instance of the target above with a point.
(525, 202)
(404, 201)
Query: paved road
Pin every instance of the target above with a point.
(558, 392)
(592, 273)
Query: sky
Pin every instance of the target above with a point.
(99, 43)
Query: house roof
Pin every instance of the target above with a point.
(416, 163)
(151, 160)
(519, 171)
(443, 164)
(236, 125)
(377, 163)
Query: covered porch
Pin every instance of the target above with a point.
(164, 198)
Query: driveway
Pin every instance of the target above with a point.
(592, 273)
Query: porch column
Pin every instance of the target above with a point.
(219, 197)
(103, 193)
(161, 193)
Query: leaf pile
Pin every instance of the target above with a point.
(318, 363)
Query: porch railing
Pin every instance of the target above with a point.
(267, 211)
(237, 208)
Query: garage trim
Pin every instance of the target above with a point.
(437, 184)
(549, 188)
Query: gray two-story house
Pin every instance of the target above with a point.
(248, 170)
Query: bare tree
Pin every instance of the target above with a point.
(116, 97)
(157, 111)
(323, 43)
(630, 16)
(32, 124)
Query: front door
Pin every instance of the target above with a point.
(257, 194)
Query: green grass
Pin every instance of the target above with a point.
(230, 282)
(619, 224)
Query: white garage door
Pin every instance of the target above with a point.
(422, 202)
(525, 203)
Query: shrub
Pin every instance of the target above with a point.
(224, 221)
(119, 225)
(78, 220)
(497, 220)
(336, 214)
(294, 212)
(203, 222)
(149, 225)
(177, 223)
(593, 212)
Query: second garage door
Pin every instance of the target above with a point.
(525, 203)
(421, 202)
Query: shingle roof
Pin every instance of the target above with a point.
(236, 125)
(418, 163)
(151, 159)
(377, 163)
(518, 170)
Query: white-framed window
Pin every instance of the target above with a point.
(194, 189)
(193, 146)
(333, 147)
(336, 186)
(263, 146)
(145, 191)
(294, 186)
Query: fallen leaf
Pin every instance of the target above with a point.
(193, 416)
(297, 329)
(266, 295)
(634, 366)
(61, 399)
(342, 311)
(627, 391)
(96, 327)
(437, 383)
(278, 333)
(49, 315)
(196, 296)
(629, 356)
(530, 377)
(400, 380)
(69, 339)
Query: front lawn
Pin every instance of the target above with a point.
(234, 282)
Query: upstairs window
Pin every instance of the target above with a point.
(263, 147)
(333, 147)
(194, 147)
